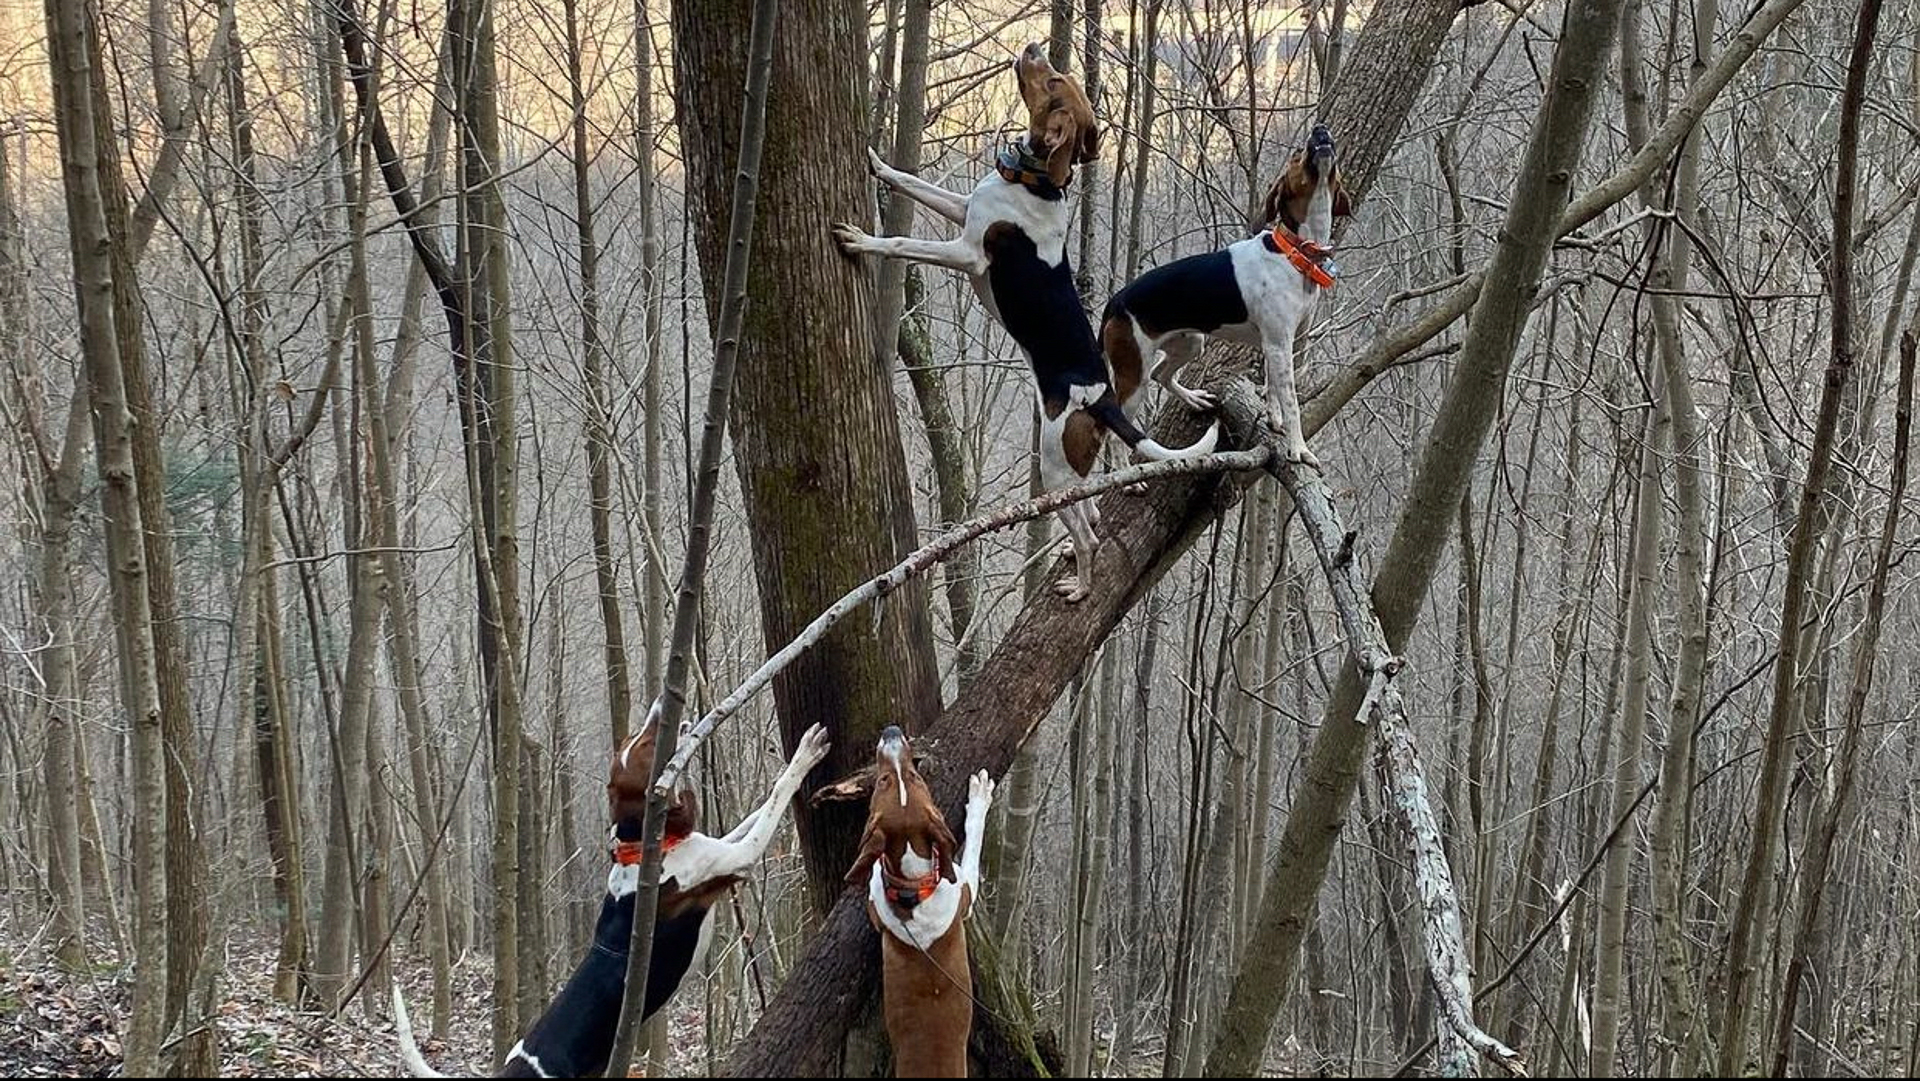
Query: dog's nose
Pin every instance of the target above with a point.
(1035, 51)
(1321, 137)
(892, 734)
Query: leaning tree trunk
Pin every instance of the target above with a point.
(76, 109)
(816, 442)
(1421, 536)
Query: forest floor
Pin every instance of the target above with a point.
(59, 1024)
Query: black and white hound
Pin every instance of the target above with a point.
(1258, 291)
(574, 1037)
(1013, 245)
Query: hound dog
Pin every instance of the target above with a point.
(1013, 246)
(918, 898)
(1258, 291)
(574, 1037)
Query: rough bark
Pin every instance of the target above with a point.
(816, 441)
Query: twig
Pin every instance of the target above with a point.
(924, 559)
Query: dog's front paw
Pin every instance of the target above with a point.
(813, 748)
(980, 789)
(852, 240)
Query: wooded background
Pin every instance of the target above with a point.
(355, 354)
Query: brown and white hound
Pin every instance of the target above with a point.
(574, 1037)
(1013, 245)
(918, 899)
(1258, 291)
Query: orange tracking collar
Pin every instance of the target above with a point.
(627, 853)
(908, 892)
(1310, 259)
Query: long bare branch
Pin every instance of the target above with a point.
(925, 558)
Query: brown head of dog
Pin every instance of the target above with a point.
(1060, 125)
(629, 780)
(1291, 192)
(901, 817)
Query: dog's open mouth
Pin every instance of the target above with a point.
(1320, 145)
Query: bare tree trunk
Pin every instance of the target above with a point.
(186, 918)
(1817, 851)
(1670, 254)
(599, 436)
(730, 314)
(487, 396)
(72, 56)
(1611, 944)
(1133, 976)
(1754, 909)
(816, 441)
(348, 842)
(54, 493)
(263, 663)
(653, 602)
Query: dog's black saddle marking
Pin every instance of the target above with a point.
(1200, 292)
(1041, 309)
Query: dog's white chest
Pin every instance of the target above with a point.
(931, 918)
(1043, 220)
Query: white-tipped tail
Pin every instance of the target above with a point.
(1154, 452)
(409, 1050)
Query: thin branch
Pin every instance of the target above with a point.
(925, 558)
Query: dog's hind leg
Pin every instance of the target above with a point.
(1283, 405)
(1069, 443)
(1175, 353)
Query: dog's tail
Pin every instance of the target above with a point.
(1107, 411)
(410, 1056)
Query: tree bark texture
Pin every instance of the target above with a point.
(814, 427)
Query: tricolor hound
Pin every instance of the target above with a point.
(574, 1038)
(1258, 291)
(918, 898)
(1013, 244)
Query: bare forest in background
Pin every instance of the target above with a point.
(356, 354)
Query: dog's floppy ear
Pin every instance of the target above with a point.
(943, 837)
(1089, 143)
(1276, 203)
(872, 843)
(1063, 138)
(1342, 202)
